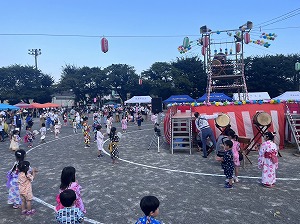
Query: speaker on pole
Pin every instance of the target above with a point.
(156, 104)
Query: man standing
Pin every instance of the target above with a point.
(205, 130)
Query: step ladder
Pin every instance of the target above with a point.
(294, 124)
(181, 138)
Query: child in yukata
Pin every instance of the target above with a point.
(69, 214)
(227, 163)
(149, 205)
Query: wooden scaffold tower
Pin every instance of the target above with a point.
(225, 66)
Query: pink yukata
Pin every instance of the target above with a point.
(265, 164)
(78, 202)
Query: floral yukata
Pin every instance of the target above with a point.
(266, 164)
(147, 220)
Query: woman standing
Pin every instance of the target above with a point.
(139, 119)
(268, 160)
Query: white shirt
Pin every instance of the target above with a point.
(202, 123)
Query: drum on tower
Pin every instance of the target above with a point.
(262, 119)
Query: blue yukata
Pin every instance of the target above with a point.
(147, 220)
(228, 164)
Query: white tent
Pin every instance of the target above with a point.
(253, 96)
(139, 99)
(289, 95)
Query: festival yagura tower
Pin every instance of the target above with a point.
(225, 66)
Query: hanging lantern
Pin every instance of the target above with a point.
(104, 45)
(140, 81)
(203, 50)
(247, 38)
(186, 42)
(237, 47)
(205, 41)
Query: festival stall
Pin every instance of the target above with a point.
(4, 106)
(139, 99)
(252, 96)
(242, 118)
(219, 97)
(179, 99)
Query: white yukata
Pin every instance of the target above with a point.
(265, 164)
(100, 141)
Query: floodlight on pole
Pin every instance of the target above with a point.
(35, 53)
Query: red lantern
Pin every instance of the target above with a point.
(203, 50)
(104, 45)
(247, 38)
(237, 47)
(140, 81)
(205, 41)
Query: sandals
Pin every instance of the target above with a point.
(29, 212)
(15, 206)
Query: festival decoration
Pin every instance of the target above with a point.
(203, 50)
(104, 45)
(205, 41)
(186, 46)
(247, 38)
(237, 47)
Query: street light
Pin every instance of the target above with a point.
(35, 52)
(297, 68)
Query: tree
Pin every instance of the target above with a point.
(191, 79)
(24, 83)
(122, 78)
(272, 74)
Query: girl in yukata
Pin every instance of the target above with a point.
(235, 151)
(28, 138)
(86, 133)
(124, 124)
(100, 141)
(268, 160)
(57, 127)
(108, 124)
(68, 182)
(24, 180)
(12, 181)
(113, 145)
(15, 141)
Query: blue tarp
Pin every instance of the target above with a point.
(4, 106)
(214, 97)
(179, 99)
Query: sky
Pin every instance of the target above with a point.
(139, 32)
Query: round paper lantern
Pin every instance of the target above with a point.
(238, 47)
(205, 41)
(104, 45)
(247, 38)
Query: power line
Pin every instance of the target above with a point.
(278, 17)
(94, 36)
(279, 20)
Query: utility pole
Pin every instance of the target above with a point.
(35, 52)
(297, 68)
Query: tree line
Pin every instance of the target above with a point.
(273, 74)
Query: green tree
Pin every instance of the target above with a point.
(191, 79)
(272, 74)
(123, 79)
(24, 83)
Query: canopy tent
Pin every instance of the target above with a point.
(253, 96)
(48, 105)
(4, 106)
(289, 95)
(214, 97)
(23, 105)
(110, 103)
(37, 105)
(139, 99)
(179, 99)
